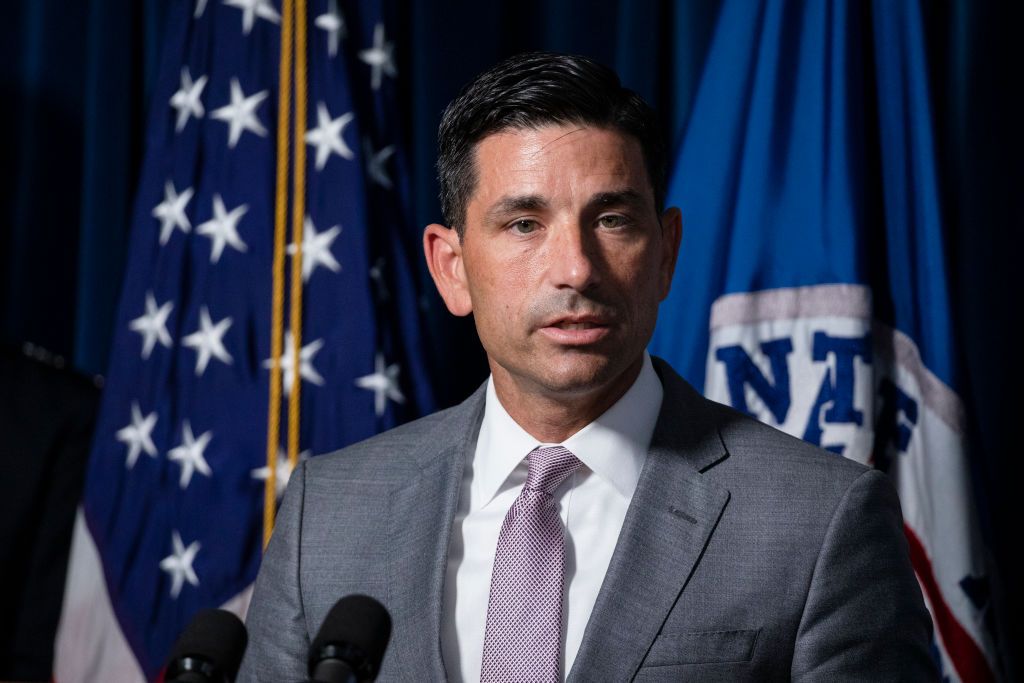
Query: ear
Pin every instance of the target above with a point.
(443, 250)
(671, 235)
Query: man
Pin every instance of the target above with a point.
(585, 514)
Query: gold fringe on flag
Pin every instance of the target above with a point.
(292, 73)
(298, 221)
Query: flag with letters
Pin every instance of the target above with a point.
(171, 518)
(811, 288)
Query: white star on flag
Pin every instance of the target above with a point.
(252, 9)
(138, 435)
(380, 57)
(316, 249)
(152, 325)
(375, 163)
(200, 8)
(282, 473)
(334, 24)
(179, 564)
(306, 369)
(326, 137)
(171, 212)
(240, 115)
(190, 454)
(208, 341)
(383, 382)
(186, 99)
(223, 228)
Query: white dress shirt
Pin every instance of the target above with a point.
(592, 504)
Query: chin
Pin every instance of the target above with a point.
(579, 376)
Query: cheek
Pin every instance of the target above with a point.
(641, 283)
(635, 271)
(505, 282)
(510, 300)
(493, 294)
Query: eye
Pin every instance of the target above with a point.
(523, 226)
(612, 221)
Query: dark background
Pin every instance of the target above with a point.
(75, 86)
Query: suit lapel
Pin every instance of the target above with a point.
(419, 527)
(670, 520)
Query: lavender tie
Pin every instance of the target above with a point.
(524, 612)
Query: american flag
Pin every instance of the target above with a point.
(171, 519)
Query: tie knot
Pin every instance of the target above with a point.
(549, 467)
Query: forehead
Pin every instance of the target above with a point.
(569, 161)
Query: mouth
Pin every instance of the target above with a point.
(576, 330)
(566, 325)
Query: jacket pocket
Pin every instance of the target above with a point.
(702, 647)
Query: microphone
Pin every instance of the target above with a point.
(209, 650)
(350, 644)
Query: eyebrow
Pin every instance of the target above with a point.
(507, 205)
(535, 202)
(628, 197)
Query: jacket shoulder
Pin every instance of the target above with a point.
(755, 455)
(395, 455)
(746, 437)
(774, 476)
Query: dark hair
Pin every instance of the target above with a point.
(529, 91)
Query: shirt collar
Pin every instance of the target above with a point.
(614, 446)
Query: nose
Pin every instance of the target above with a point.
(573, 259)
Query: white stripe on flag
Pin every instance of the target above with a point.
(90, 645)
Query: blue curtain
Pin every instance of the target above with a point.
(975, 52)
(76, 79)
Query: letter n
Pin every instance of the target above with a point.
(741, 371)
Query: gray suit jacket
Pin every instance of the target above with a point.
(746, 554)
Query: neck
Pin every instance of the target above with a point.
(554, 416)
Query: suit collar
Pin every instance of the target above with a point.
(670, 520)
(419, 528)
(685, 423)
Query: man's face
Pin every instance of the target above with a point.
(564, 259)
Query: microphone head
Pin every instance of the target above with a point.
(210, 647)
(356, 631)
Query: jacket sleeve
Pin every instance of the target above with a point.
(864, 618)
(276, 621)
